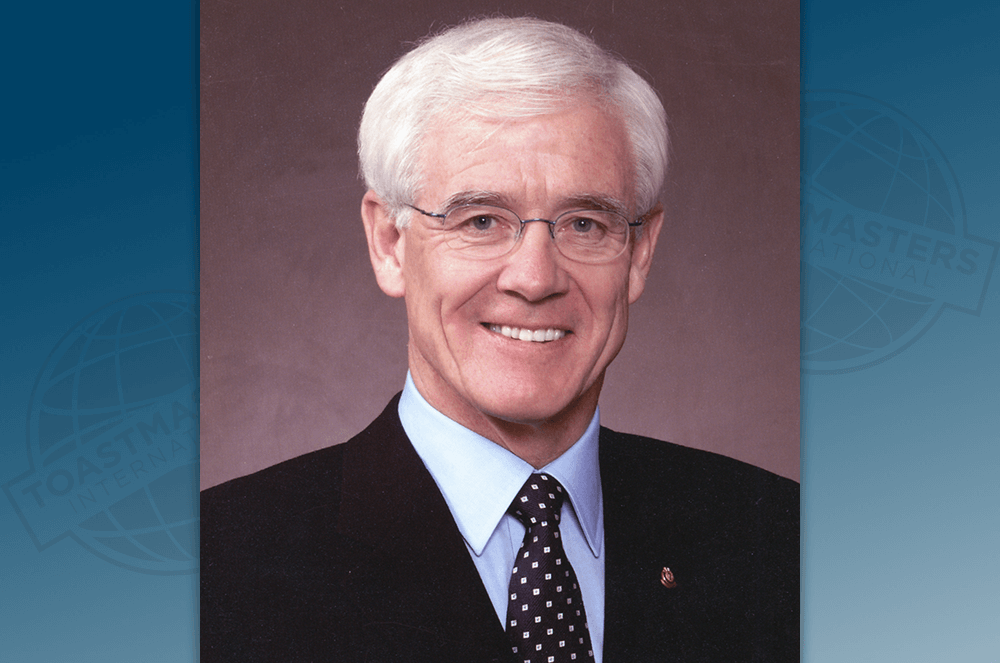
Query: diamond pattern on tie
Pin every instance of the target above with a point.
(546, 621)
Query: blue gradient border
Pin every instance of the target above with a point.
(899, 460)
(99, 200)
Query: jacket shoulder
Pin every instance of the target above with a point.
(274, 492)
(308, 484)
(636, 462)
(276, 569)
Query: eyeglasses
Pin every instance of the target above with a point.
(484, 232)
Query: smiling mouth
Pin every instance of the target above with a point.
(524, 334)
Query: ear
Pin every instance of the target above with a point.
(385, 244)
(642, 253)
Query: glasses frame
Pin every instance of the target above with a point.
(551, 224)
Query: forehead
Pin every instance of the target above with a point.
(575, 152)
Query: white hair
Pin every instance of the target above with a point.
(500, 68)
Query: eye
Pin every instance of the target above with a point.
(586, 225)
(481, 222)
(479, 225)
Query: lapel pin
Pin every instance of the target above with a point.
(667, 578)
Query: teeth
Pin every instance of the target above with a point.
(534, 335)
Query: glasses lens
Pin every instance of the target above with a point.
(591, 235)
(485, 232)
(481, 231)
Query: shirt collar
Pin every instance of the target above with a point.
(479, 478)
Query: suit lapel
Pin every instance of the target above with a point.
(423, 597)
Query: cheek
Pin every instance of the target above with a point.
(441, 292)
(608, 295)
(619, 323)
(614, 316)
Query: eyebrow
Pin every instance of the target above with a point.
(495, 199)
(596, 202)
(476, 198)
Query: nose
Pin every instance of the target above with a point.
(532, 270)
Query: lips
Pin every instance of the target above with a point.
(525, 334)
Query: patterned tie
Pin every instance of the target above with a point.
(546, 621)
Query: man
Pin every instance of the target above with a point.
(514, 170)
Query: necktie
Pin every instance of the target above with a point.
(546, 621)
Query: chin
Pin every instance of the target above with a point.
(516, 403)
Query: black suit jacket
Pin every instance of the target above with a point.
(350, 553)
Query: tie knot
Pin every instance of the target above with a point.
(539, 501)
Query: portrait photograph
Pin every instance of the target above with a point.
(643, 357)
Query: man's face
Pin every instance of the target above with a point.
(538, 168)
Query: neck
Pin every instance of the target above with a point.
(537, 443)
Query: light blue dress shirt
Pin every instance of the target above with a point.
(479, 479)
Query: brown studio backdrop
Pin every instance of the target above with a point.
(299, 347)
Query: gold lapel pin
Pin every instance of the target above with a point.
(667, 578)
